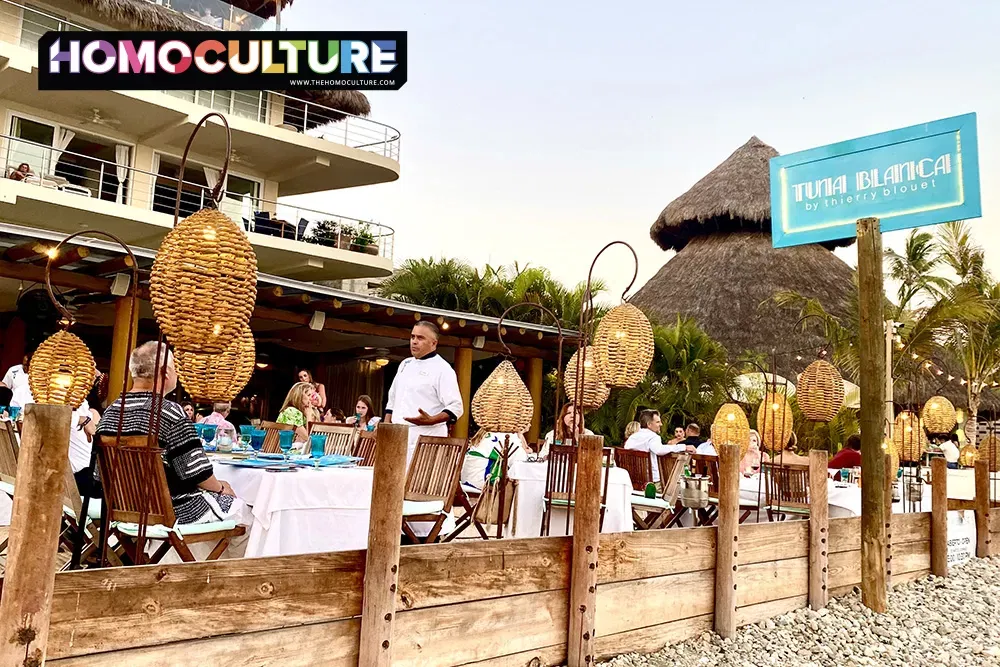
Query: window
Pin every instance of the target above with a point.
(35, 23)
(250, 104)
(36, 147)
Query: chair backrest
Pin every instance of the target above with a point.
(706, 464)
(671, 469)
(301, 232)
(560, 478)
(134, 480)
(271, 430)
(339, 439)
(364, 448)
(436, 470)
(786, 485)
(8, 449)
(638, 466)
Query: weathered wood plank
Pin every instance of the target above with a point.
(845, 569)
(655, 553)
(541, 657)
(477, 631)
(762, 542)
(652, 638)
(441, 574)
(910, 557)
(727, 549)
(330, 644)
(995, 520)
(909, 576)
(845, 534)
(764, 582)
(982, 508)
(939, 517)
(819, 529)
(586, 543)
(103, 610)
(759, 612)
(841, 591)
(630, 605)
(911, 527)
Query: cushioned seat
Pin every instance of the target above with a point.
(93, 510)
(159, 532)
(7, 488)
(643, 501)
(414, 507)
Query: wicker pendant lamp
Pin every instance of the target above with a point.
(204, 283)
(503, 403)
(218, 377)
(61, 371)
(989, 447)
(595, 392)
(820, 391)
(939, 415)
(967, 456)
(731, 427)
(908, 436)
(623, 346)
(774, 422)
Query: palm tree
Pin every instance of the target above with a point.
(686, 382)
(914, 270)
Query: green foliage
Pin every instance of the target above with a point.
(452, 284)
(324, 233)
(686, 382)
(364, 236)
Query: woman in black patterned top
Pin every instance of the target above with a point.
(198, 497)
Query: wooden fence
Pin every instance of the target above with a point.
(498, 604)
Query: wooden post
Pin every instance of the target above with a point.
(535, 375)
(34, 534)
(819, 529)
(727, 539)
(982, 508)
(890, 479)
(382, 560)
(939, 517)
(871, 348)
(463, 369)
(583, 567)
(121, 346)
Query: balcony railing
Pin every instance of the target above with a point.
(91, 177)
(288, 112)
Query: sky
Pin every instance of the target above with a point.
(537, 132)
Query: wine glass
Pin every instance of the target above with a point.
(285, 442)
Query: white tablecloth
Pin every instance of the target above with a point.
(6, 506)
(307, 511)
(843, 499)
(526, 519)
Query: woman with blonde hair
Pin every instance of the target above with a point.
(631, 429)
(297, 409)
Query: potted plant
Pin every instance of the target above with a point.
(364, 241)
(347, 234)
(324, 233)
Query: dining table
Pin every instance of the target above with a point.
(302, 509)
(529, 504)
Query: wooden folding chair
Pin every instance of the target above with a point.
(339, 439)
(72, 511)
(271, 430)
(560, 484)
(364, 449)
(786, 490)
(432, 484)
(708, 464)
(646, 512)
(8, 450)
(671, 468)
(135, 483)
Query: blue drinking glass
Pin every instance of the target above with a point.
(285, 441)
(257, 439)
(317, 445)
(14, 412)
(208, 432)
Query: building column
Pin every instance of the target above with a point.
(535, 372)
(121, 346)
(463, 369)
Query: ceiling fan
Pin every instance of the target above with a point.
(238, 158)
(95, 118)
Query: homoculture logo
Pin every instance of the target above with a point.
(221, 60)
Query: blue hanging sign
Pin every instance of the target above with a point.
(921, 175)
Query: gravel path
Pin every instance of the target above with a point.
(953, 622)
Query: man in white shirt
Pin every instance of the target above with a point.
(16, 379)
(647, 439)
(424, 394)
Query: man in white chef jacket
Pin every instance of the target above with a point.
(424, 394)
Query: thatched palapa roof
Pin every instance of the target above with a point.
(726, 272)
(145, 15)
(727, 281)
(735, 196)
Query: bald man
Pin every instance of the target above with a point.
(424, 394)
